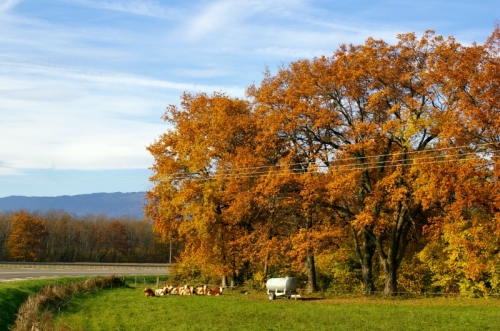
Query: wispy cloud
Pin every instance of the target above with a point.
(8, 4)
(136, 7)
(7, 169)
(108, 77)
(39, 94)
(226, 16)
(83, 83)
(203, 73)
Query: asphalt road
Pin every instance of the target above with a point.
(10, 274)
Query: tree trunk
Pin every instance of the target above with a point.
(367, 268)
(266, 262)
(396, 248)
(310, 265)
(311, 273)
(266, 270)
(390, 272)
(365, 249)
(224, 281)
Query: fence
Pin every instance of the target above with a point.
(85, 265)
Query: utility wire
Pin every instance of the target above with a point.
(288, 171)
(345, 159)
(287, 168)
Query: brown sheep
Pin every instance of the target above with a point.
(148, 292)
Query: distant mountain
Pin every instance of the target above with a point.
(112, 204)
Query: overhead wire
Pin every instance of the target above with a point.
(344, 159)
(284, 169)
(371, 162)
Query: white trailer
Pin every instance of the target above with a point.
(282, 287)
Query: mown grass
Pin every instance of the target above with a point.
(13, 294)
(128, 309)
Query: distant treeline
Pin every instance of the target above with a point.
(57, 236)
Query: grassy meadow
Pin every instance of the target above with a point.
(13, 294)
(128, 309)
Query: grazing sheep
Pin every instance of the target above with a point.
(172, 290)
(215, 291)
(200, 290)
(148, 292)
(186, 290)
(161, 291)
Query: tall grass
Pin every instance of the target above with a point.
(128, 309)
(37, 311)
(14, 294)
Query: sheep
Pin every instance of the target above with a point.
(161, 291)
(201, 290)
(172, 290)
(148, 292)
(186, 290)
(189, 290)
(216, 291)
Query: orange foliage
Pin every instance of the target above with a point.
(25, 240)
(394, 142)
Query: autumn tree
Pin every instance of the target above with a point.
(113, 241)
(367, 114)
(25, 240)
(464, 252)
(188, 202)
(64, 235)
(5, 227)
(372, 138)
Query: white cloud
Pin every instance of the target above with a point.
(136, 7)
(94, 132)
(212, 18)
(203, 73)
(83, 83)
(6, 169)
(8, 4)
(72, 118)
(56, 121)
(226, 16)
(109, 77)
(55, 95)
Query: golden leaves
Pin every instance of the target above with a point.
(388, 139)
(25, 240)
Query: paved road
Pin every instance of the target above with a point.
(10, 274)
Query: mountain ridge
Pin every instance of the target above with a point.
(116, 204)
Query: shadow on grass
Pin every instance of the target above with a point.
(11, 299)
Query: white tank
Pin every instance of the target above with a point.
(281, 285)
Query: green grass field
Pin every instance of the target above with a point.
(128, 309)
(13, 294)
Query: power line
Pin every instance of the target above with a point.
(345, 159)
(283, 169)
(287, 171)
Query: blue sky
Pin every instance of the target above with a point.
(84, 83)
